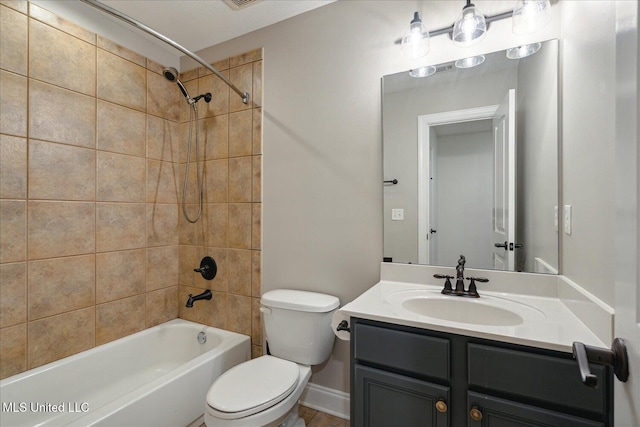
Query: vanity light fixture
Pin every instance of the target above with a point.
(470, 27)
(415, 41)
(523, 51)
(530, 15)
(470, 62)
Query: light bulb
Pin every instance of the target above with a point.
(415, 41)
(470, 27)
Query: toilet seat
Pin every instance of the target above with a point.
(252, 386)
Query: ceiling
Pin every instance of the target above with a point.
(198, 24)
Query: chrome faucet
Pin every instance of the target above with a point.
(459, 290)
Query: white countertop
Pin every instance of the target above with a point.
(547, 322)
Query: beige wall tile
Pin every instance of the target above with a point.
(61, 172)
(219, 95)
(162, 305)
(162, 224)
(162, 183)
(189, 233)
(213, 312)
(239, 314)
(13, 294)
(242, 78)
(121, 51)
(18, 5)
(256, 226)
(120, 226)
(58, 285)
(185, 112)
(240, 223)
(49, 106)
(256, 351)
(257, 84)
(239, 271)
(120, 178)
(256, 273)
(13, 167)
(240, 133)
(240, 179)
(246, 57)
(121, 130)
(193, 185)
(257, 131)
(256, 322)
(119, 318)
(214, 142)
(165, 98)
(121, 81)
(13, 350)
(162, 265)
(216, 181)
(120, 274)
(188, 260)
(13, 104)
(61, 59)
(61, 23)
(56, 229)
(76, 329)
(13, 43)
(13, 233)
(163, 139)
(216, 222)
(256, 192)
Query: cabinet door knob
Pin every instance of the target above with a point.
(441, 406)
(475, 413)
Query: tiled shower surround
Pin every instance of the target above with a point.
(93, 143)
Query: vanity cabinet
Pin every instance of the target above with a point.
(404, 376)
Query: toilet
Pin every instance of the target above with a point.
(265, 391)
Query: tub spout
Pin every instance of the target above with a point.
(205, 295)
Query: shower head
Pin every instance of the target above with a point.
(171, 74)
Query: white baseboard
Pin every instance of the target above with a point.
(324, 399)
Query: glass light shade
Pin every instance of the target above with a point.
(422, 71)
(415, 41)
(472, 61)
(530, 15)
(470, 27)
(523, 51)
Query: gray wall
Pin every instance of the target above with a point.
(322, 217)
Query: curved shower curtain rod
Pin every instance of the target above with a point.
(141, 26)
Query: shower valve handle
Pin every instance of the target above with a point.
(208, 268)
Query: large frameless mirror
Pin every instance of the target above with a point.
(471, 163)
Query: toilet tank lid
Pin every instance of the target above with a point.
(300, 300)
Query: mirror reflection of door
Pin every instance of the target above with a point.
(466, 201)
(504, 193)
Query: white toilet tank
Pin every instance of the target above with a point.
(298, 324)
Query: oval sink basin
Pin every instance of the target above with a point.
(486, 310)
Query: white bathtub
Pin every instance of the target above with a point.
(156, 377)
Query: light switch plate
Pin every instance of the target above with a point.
(567, 219)
(397, 214)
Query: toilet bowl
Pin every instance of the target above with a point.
(264, 392)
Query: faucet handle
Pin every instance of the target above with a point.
(473, 291)
(447, 284)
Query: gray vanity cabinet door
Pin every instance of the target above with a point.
(386, 399)
(495, 412)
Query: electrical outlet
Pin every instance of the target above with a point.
(567, 219)
(397, 214)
